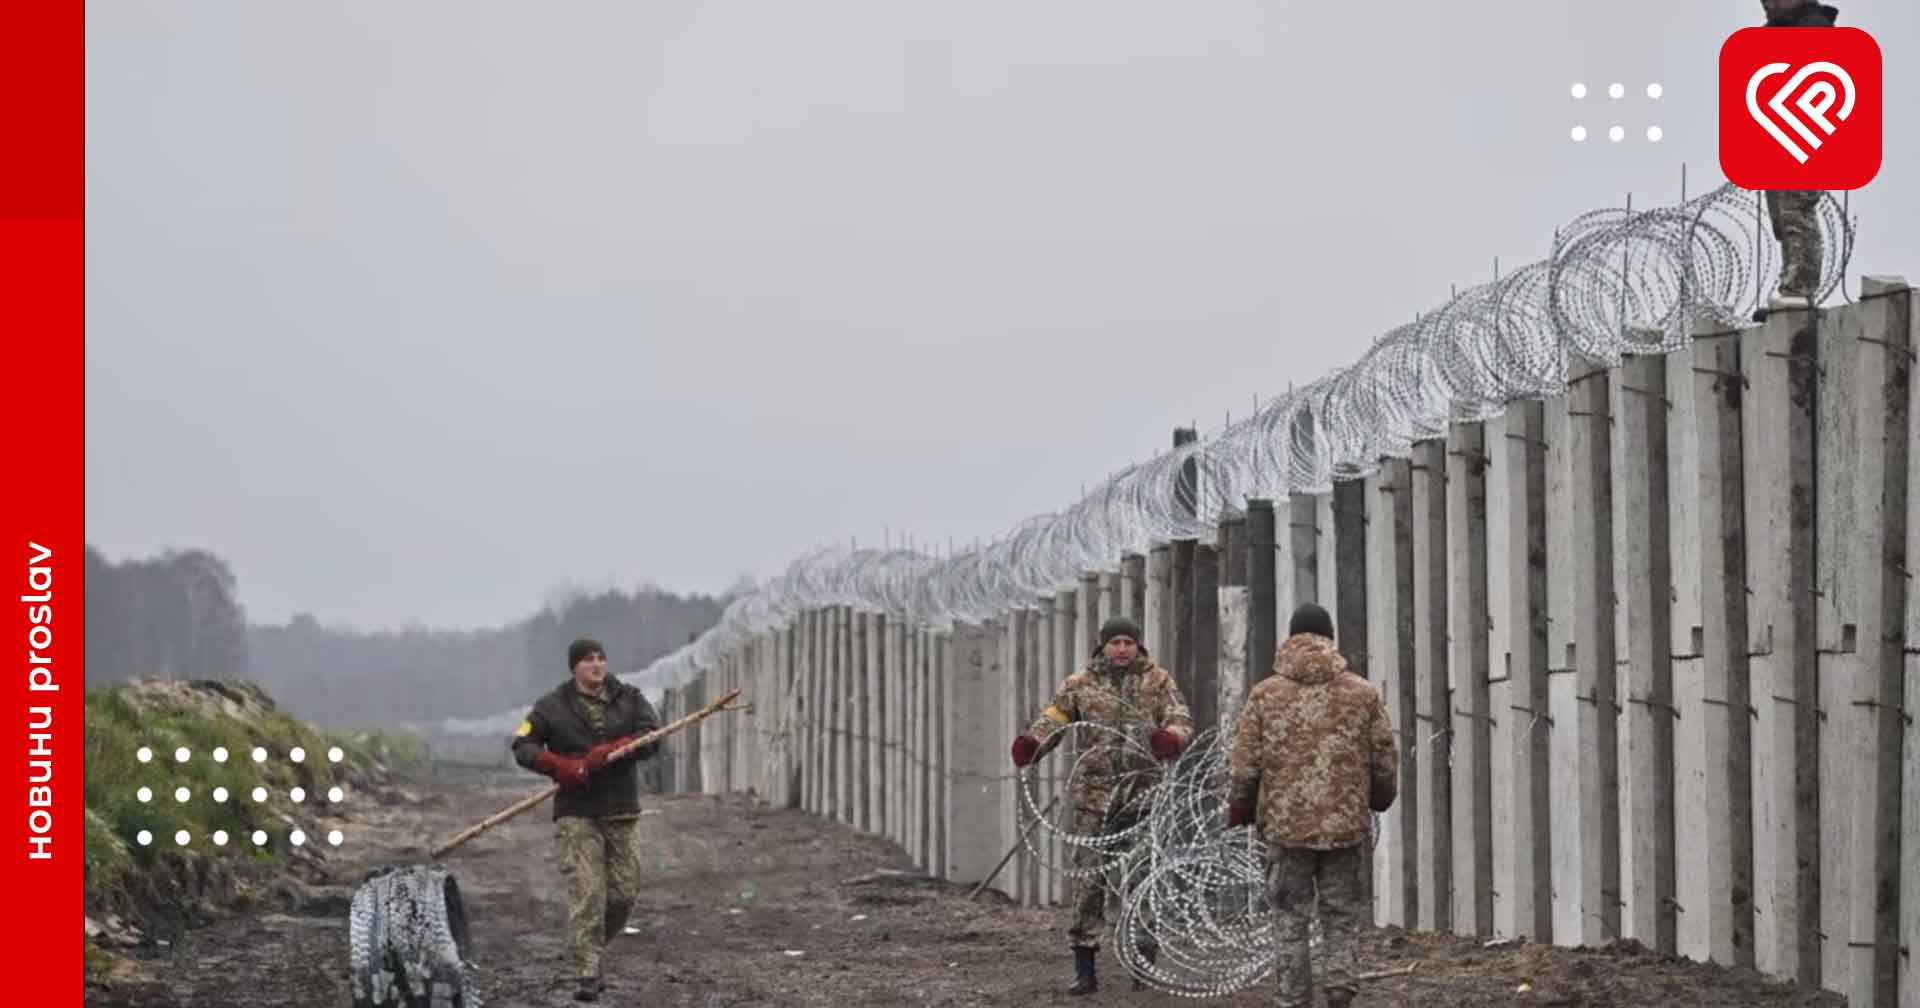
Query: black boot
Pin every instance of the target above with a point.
(1148, 953)
(1083, 979)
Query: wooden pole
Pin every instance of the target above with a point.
(534, 799)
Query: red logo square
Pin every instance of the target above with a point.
(1800, 108)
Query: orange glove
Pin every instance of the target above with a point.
(1165, 744)
(1025, 750)
(570, 772)
(598, 755)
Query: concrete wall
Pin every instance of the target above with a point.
(1650, 648)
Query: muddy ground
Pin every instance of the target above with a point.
(731, 890)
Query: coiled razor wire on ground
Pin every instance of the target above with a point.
(1181, 883)
(407, 941)
(1618, 281)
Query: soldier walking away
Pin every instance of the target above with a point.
(569, 736)
(1125, 690)
(1794, 212)
(1314, 753)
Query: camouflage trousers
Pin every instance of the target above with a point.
(603, 875)
(1796, 225)
(1295, 877)
(1090, 891)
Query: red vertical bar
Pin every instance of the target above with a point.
(42, 285)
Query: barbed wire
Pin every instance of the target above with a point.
(1618, 281)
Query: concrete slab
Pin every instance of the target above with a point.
(1597, 721)
(1643, 641)
(1433, 700)
(1469, 712)
(1778, 431)
(1566, 849)
(1390, 650)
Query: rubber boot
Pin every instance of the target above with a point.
(1148, 953)
(1084, 982)
(588, 989)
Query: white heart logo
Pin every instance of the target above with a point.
(1814, 102)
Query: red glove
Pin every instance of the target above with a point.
(1025, 749)
(1165, 744)
(570, 772)
(598, 755)
(1238, 814)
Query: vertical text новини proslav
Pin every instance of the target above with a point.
(39, 601)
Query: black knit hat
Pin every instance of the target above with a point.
(1312, 619)
(1119, 626)
(581, 649)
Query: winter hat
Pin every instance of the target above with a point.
(581, 649)
(1312, 619)
(1119, 626)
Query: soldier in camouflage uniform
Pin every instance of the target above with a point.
(1314, 753)
(1122, 688)
(1794, 212)
(570, 736)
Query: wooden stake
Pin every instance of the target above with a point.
(534, 799)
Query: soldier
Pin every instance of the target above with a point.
(569, 736)
(1122, 688)
(1794, 212)
(1314, 752)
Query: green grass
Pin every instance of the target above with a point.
(117, 728)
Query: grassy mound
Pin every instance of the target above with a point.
(163, 885)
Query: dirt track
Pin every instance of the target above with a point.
(729, 890)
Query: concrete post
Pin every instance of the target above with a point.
(1865, 387)
(1066, 661)
(1349, 500)
(939, 806)
(1021, 633)
(816, 777)
(1643, 589)
(1232, 546)
(1178, 658)
(1597, 731)
(1158, 621)
(1525, 572)
(1110, 595)
(695, 691)
(1090, 618)
(1468, 668)
(1230, 679)
(860, 727)
(1390, 662)
(1204, 698)
(1262, 610)
(1235, 679)
(1721, 752)
(1433, 706)
(846, 755)
(875, 729)
(1302, 578)
(1901, 308)
(1778, 362)
(1327, 591)
(1133, 588)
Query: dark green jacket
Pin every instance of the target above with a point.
(559, 722)
(1813, 15)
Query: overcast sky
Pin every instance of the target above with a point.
(416, 311)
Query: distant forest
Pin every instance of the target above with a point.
(178, 615)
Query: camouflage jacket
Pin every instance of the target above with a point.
(1315, 750)
(1137, 701)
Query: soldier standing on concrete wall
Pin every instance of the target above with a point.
(1124, 690)
(569, 736)
(1794, 212)
(1314, 752)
